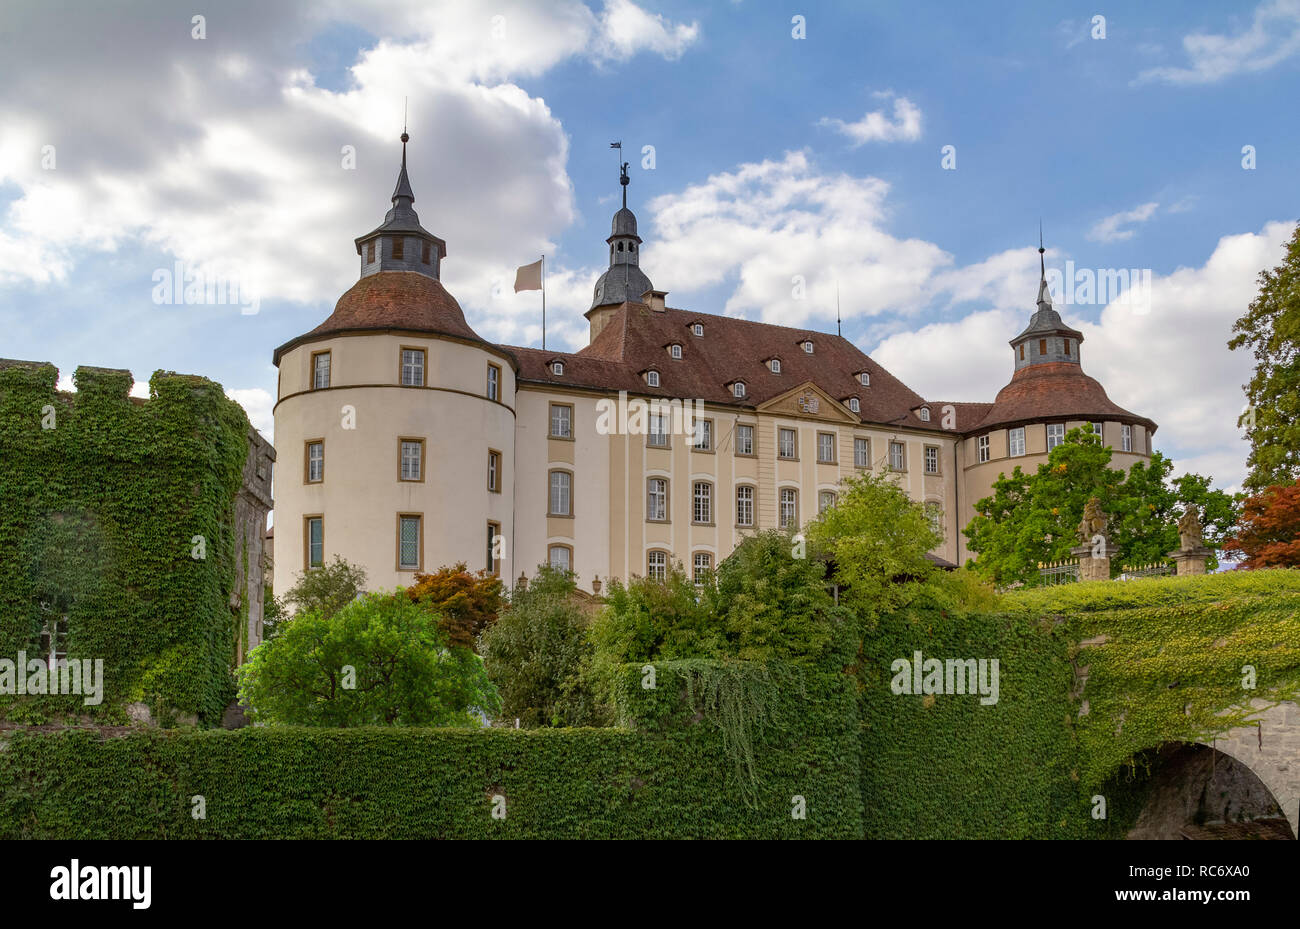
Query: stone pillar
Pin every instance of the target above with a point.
(1191, 560)
(1094, 561)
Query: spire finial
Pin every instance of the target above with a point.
(624, 180)
(1044, 297)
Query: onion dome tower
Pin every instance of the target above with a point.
(624, 280)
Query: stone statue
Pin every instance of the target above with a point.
(1094, 521)
(1189, 530)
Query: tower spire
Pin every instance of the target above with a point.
(1044, 297)
(624, 180)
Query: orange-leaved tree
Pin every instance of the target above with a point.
(1268, 533)
(467, 601)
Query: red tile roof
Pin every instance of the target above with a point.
(635, 339)
(404, 300)
(1055, 390)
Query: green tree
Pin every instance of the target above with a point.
(381, 660)
(648, 619)
(1032, 518)
(1271, 327)
(539, 655)
(877, 538)
(325, 590)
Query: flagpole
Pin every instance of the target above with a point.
(543, 303)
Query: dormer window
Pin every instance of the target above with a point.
(698, 329)
(854, 405)
(924, 414)
(738, 389)
(807, 346)
(675, 351)
(557, 368)
(652, 378)
(774, 365)
(864, 379)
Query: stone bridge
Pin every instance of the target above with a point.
(1271, 749)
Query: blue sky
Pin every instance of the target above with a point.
(775, 158)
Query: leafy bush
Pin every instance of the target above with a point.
(539, 656)
(324, 590)
(379, 661)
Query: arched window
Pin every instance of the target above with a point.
(738, 389)
(620, 246)
(775, 365)
(864, 379)
(657, 565)
(557, 368)
(924, 414)
(675, 351)
(698, 329)
(808, 347)
(854, 405)
(652, 378)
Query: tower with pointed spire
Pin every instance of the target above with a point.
(624, 280)
(1047, 339)
(401, 243)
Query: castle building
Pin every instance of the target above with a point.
(412, 442)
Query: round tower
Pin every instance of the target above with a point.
(394, 423)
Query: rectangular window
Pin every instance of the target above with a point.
(744, 506)
(1055, 435)
(412, 367)
(315, 462)
(1126, 436)
(314, 530)
(1016, 439)
(658, 430)
(561, 493)
(408, 543)
(370, 253)
(825, 500)
(789, 508)
(744, 440)
(54, 638)
(897, 461)
(1042, 346)
(931, 459)
(861, 453)
(785, 443)
(1022, 351)
(399, 247)
(426, 252)
(1096, 429)
(412, 452)
(561, 421)
(826, 447)
(657, 565)
(703, 565)
(982, 443)
(320, 366)
(493, 533)
(560, 558)
(494, 382)
(656, 504)
(704, 435)
(494, 472)
(702, 495)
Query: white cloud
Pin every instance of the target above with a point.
(258, 404)
(1273, 36)
(770, 224)
(1171, 363)
(229, 156)
(878, 126)
(1111, 228)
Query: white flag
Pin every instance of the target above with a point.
(529, 277)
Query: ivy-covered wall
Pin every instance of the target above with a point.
(105, 502)
(1092, 676)
(688, 773)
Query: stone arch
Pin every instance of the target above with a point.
(1271, 750)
